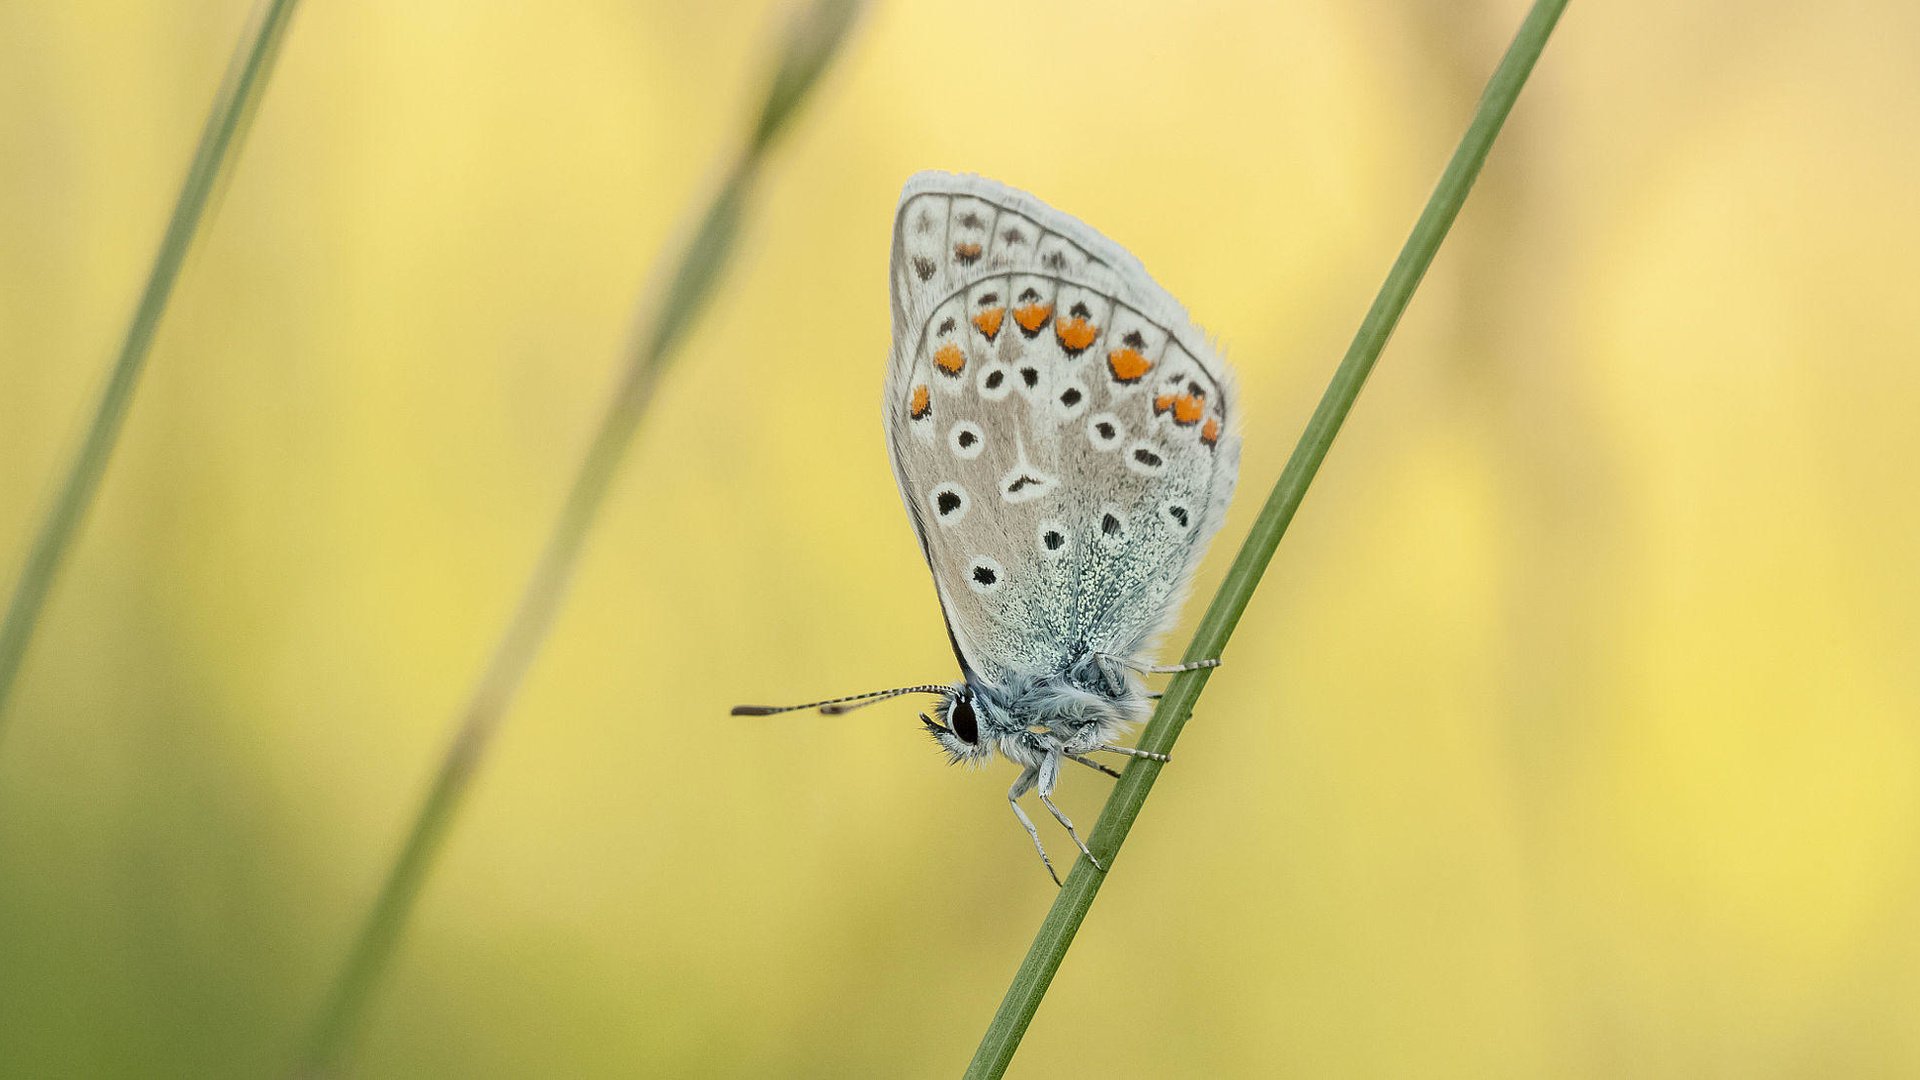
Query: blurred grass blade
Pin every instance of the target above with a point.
(240, 90)
(1123, 806)
(808, 49)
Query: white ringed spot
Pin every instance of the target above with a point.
(996, 381)
(1024, 483)
(966, 440)
(949, 502)
(1054, 540)
(984, 575)
(1104, 431)
(1145, 458)
(1069, 400)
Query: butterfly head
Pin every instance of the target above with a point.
(964, 724)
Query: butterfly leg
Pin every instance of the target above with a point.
(1169, 669)
(1111, 667)
(1049, 775)
(1132, 752)
(1021, 787)
(1108, 661)
(1092, 764)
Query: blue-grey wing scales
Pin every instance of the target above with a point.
(1063, 437)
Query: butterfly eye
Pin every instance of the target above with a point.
(965, 727)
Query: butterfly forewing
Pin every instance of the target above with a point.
(1059, 430)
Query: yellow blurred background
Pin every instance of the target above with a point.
(1572, 732)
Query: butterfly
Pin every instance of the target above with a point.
(1065, 442)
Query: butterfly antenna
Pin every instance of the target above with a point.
(836, 706)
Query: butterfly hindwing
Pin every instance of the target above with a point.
(1059, 429)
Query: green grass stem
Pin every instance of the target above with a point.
(220, 140)
(1070, 907)
(807, 50)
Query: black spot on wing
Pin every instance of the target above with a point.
(1021, 483)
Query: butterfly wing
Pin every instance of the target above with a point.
(1061, 433)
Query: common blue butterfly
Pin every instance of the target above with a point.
(1064, 439)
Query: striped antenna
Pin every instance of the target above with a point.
(836, 706)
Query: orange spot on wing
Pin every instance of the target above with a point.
(1075, 336)
(1188, 408)
(950, 359)
(1163, 403)
(966, 252)
(988, 322)
(1032, 317)
(922, 403)
(1128, 366)
(1210, 433)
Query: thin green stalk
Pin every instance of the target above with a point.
(1050, 945)
(810, 46)
(220, 139)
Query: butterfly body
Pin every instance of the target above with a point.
(1032, 717)
(1065, 442)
